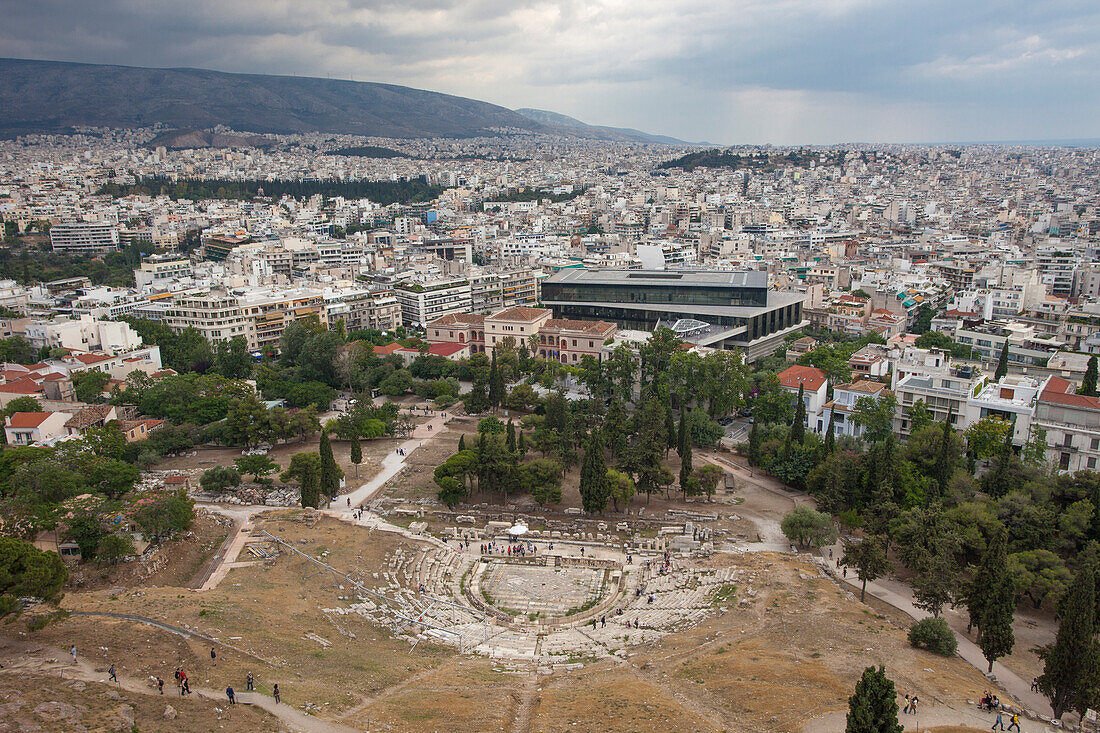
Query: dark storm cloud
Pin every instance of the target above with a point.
(778, 70)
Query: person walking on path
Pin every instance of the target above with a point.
(213, 657)
(913, 706)
(160, 685)
(229, 694)
(998, 723)
(111, 671)
(72, 651)
(1015, 723)
(905, 710)
(275, 692)
(250, 683)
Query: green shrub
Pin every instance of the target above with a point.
(934, 635)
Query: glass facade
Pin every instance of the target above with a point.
(645, 319)
(652, 294)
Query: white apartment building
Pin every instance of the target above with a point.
(157, 269)
(424, 302)
(84, 237)
(1072, 425)
(215, 314)
(843, 405)
(1012, 399)
(360, 308)
(84, 334)
(814, 386)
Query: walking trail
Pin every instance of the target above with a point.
(56, 661)
(893, 592)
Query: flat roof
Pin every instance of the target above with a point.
(663, 278)
(776, 300)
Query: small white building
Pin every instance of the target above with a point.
(843, 405)
(34, 428)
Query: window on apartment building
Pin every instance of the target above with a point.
(1091, 463)
(1063, 462)
(574, 342)
(1067, 440)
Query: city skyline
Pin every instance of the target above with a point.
(782, 73)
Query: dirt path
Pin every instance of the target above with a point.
(526, 696)
(57, 662)
(926, 717)
(766, 500)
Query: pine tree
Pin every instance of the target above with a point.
(798, 427)
(1071, 665)
(830, 436)
(1002, 362)
(511, 439)
(594, 488)
(874, 706)
(496, 384)
(330, 472)
(1088, 384)
(356, 454)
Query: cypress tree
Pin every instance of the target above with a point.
(511, 439)
(670, 429)
(462, 442)
(330, 472)
(830, 437)
(943, 460)
(992, 601)
(1071, 665)
(684, 449)
(755, 441)
(1088, 384)
(593, 487)
(521, 445)
(1002, 362)
(874, 706)
(496, 384)
(356, 454)
(798, 427)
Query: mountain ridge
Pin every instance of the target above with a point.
(58, 96)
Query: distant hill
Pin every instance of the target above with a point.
(572, 126)
(719, 158)
(179, 139)
(44, 96)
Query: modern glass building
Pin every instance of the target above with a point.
(738, 306)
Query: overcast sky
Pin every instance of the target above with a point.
(733, 71)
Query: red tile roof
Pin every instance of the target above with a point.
(387, 349)
(1060, 391)
(28, 419)
(520, 313)
(810, 377)
(21, 386)
(455, 319)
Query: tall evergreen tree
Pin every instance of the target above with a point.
(521, 445)
(1071, 665)
(594, 487)
(670, 429)
(511, 440)
(330, 472)
(874, 706)
(798, 427)
(830, 435)
(943, 459)
(992, 601)
(1088, 384)
(496, 384)
(980, 590)
(755, 442)
(684, 449)
(356, 454)
(461, 442)
(1002, 363)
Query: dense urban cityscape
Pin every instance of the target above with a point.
(363, 407)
